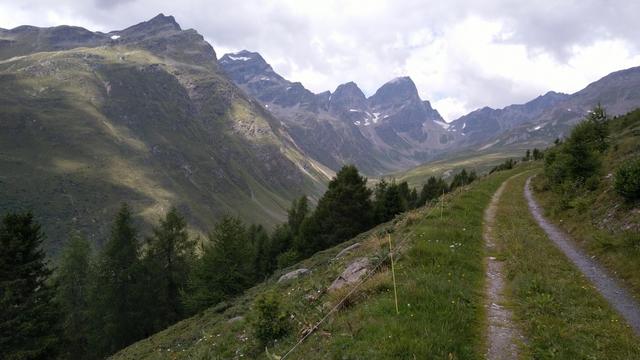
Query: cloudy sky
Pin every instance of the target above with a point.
(461, 54)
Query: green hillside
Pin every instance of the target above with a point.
(607, 225)
(83, 130)
(446, 167)
(439, 275)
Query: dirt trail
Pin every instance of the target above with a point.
(605, 284)
(502, 334)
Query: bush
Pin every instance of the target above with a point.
(268, 320)
(627, 180)
(506, 165)
(287, 258)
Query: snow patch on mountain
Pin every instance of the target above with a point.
(239, 58)
(442, 124)
(375, 117)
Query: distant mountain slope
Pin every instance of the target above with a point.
(483, 124)
(139, 115)
(618, 93)
(393, 129)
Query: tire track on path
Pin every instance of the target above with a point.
(618, 297)
(503, 335)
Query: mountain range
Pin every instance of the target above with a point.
(390, 130)
(149, 115)
(394, 129)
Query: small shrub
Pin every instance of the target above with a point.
(581, 204)
(287, 258)
(269, 321)
(631, 240)
(627, 180)
(592, 183)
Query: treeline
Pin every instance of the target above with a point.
(574, 165)
(94, 305)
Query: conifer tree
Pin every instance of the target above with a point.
(460, 179)
(391, 203)
(413, 199)
(115, 295)
(259, 240)
(599, 122)
(432, 190)
(537, 154)
(170, 253)
(298, 212)
(343, 211)
(224, 269)
(28, 316)
(72, 278)
(281, 241)
(405, 194)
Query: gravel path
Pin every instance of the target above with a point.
(606, 285)
(502, 334)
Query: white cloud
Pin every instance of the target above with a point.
(461, 54)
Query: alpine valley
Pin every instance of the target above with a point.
(150, 116)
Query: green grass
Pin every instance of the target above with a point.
(481, 163)
(561, 314)
(440, 277)
(599, 220)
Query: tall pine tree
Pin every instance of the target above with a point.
(225, 268)
(343, 211)
(169, 254)
(28, 316)
(72, 279)
(259, 241)
(298, 212)
(115, 294)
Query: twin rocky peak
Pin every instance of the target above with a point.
(348, 102)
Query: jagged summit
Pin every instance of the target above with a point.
(164, 19)
(247, 66)
(347, 97)
(389, 130)
(242, 57)
(400, 89)
(154, 25)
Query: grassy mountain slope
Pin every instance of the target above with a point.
(85, 129)
(480, 162)
(440, 278)
(600, 220)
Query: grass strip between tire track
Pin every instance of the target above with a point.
(562, 314)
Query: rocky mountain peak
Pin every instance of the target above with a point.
(397, 91)
(163, 36)
(544, 101)
(244, 66)
(433, 114)
(347, 97)
(157, 24)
